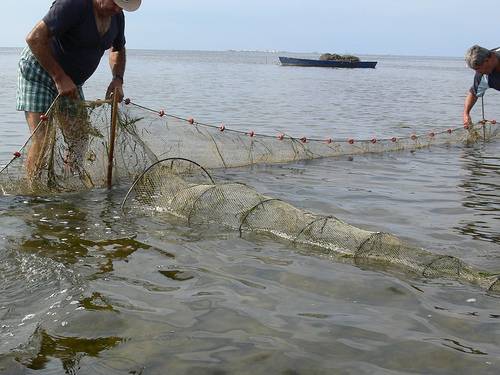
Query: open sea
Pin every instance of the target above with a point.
(85, 289)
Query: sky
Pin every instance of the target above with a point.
(377, 27)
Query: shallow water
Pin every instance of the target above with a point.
(86, 289)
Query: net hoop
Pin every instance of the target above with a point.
(138, 179)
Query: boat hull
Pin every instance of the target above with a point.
(291, 61)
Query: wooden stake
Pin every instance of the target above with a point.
(484, 119)
(112, 136)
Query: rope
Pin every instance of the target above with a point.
(282, 136)
(43, 119)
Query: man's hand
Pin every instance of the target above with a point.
(66, 87)
(118, 84)
(467, 119)
(470, 100)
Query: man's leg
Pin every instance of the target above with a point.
(35, 94)
(36, 158)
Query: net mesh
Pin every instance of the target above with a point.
(219, 147)
(70, 151)
(238, 206)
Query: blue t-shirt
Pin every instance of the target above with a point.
(76, 43)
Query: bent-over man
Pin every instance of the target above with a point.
(486, 63)
(64, 50)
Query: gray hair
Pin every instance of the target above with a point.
(476, 56)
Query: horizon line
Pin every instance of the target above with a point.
(272, 51)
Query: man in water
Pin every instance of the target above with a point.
(64, 50)
(486, 63)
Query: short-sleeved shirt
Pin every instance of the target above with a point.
(76, 43)
(482, 82)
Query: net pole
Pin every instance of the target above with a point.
(484, 119)
(112, 137)
(482, 107)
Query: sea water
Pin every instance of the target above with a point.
(87, 289)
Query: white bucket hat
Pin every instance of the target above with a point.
(128, 5)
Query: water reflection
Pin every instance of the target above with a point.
(115, 250)
(69, 350)
(456, 345)
(96, 302)
(481, 185)
(60, 246)
(67, 232)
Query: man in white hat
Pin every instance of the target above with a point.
(64, 50)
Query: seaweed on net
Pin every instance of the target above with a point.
(69, 151)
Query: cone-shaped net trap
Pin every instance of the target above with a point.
(182, 189)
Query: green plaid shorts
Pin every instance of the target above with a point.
(35, 88)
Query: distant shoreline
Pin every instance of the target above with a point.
(270, 52)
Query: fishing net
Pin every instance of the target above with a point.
(183, 189)
(70, 148)
(217, 146)
(69, 151)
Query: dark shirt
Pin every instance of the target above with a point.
(76, 42)
(482, 82)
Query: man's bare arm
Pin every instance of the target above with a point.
(117, 62)
(39, 42)
(470, 100)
